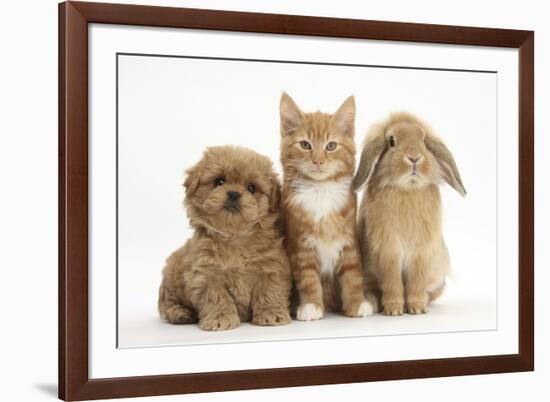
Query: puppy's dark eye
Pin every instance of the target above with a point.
(305, 145)
(251, 188)
(392, 141)
(219, 181)
(331, 146)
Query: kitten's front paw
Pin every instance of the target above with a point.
(309, 312)
(219, 321)
(274, 316)
(417, 307)
(393, 308)
(362, 309)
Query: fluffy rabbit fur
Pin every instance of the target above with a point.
(399, 226)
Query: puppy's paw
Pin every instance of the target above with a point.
(180, 315)
(219, 321)
(417, 307)
(393, 308)
(273, 316)
(361, 309)
(309, 312)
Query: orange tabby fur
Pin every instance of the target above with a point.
(319, 208)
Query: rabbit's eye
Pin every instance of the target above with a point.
(392, 141)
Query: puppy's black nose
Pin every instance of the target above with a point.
(233, 195)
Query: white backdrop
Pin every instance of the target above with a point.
(170, 109)
(28, 212)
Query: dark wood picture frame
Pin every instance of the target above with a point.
(74, 382)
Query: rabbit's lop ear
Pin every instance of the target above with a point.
(369, 158)
(449, 171)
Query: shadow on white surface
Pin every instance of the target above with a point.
(148, 330)
(48, 389)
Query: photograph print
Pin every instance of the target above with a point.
(271, 200)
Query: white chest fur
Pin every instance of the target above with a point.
(328, 253)
(320, 199)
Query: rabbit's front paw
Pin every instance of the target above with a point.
(393, 308)
(417, 307)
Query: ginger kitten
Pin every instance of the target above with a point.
(319, 205)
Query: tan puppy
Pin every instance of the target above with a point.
(400, 231)
(234, 268)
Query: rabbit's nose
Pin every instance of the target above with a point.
(414, 159)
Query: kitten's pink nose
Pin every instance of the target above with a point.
(318, 163)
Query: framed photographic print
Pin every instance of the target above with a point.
(258, 200)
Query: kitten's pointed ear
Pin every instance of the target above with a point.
(291, 115)
(449, 170)
(344, 118)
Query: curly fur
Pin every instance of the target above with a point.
(234, 268)
(399, 221)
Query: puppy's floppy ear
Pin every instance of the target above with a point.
(275, 195)
(192, 180)
(291, 115)
(344, 118)
(449, 171)
(371, 154)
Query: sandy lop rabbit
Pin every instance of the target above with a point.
(399, 224)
